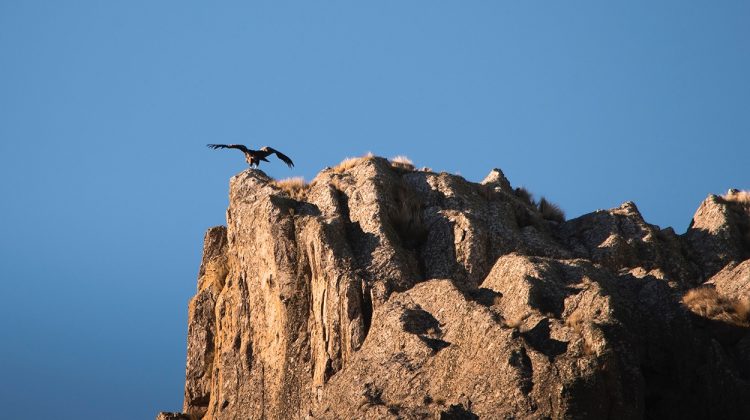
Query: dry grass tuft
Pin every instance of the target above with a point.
(295, 187)
(350, 162)
(523, 209)
(403, 163)
(551, 211)
(575, 321)
(708, 303)
(548, 210)
(736, 196)
(524, 195)
(577, 324)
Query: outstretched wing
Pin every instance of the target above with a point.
(280, 155)
(228, 146)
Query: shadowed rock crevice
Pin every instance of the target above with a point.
(394, 293)
(521, 361)
(363, 244)
(406, 218)
(458, 412)
(366, 309)
(539, 339)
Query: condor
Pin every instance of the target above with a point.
(253, 157)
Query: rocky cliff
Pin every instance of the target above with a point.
(379, 291)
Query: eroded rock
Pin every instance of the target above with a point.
(718, 234)
(392, 293)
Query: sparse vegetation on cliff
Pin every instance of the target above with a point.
(295, 187)
(525, 196)
(736, 196)
(548, 210)
(551, 211)
(350, 162)
(707, 302)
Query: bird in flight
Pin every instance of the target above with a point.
(253, 157)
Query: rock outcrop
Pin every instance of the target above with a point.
(387, 292)
(719, 233)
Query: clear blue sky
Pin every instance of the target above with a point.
(106, 107)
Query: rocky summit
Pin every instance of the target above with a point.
(380, 291)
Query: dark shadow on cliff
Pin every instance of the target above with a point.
(418, 321)
(715, 252)
(458, 412)
(684, 373)
(740, 217)
(425, 326)
(554, 284)
(362, 243)
(482, 295)
(297, 207)
(734, 339)
(539, 339)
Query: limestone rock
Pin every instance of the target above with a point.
(718, 234)
(202, 322)
(620, 239)
(496, 179)
(436, 349)
(392, 293)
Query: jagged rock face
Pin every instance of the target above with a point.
(733, 280)
(620, 239)
(497, 180)
(391, 293)
(202, 321)
(719, 234)
(436, 348)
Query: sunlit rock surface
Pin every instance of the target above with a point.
(392, 293)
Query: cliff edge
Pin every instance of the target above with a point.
(380, 291)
